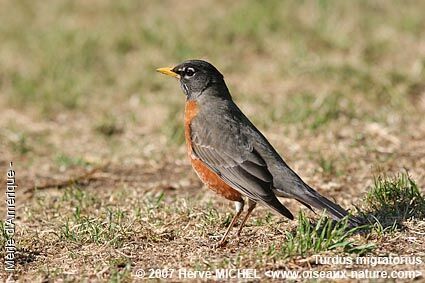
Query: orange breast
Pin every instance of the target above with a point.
(208, 177)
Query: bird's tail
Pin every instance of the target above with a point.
(314, 199)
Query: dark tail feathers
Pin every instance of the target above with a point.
(313, 198)
(276, 205)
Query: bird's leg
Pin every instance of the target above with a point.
(239, 208)
(251, 206)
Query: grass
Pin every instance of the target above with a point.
(172, 127)
(85, 219)
(65, 161)
(325, 235)
(395, 199)
(329, 83)
(108, 126)
(106, 229)
(328, 166)
(20, 145)
(312, 111)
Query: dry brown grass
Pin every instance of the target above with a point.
(337, 87)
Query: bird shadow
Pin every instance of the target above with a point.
(388, 218)
(371, 218)
(391, 202)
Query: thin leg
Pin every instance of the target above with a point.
(239, 209)
(251, 206)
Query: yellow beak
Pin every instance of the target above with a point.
(168, 71)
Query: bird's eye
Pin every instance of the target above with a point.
(189, 72)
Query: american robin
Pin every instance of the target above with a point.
(230, 155)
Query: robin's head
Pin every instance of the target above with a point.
(195, 76)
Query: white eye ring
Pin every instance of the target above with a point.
(189, 72)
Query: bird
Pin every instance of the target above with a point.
(231, 156)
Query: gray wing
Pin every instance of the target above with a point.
(227, 149)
